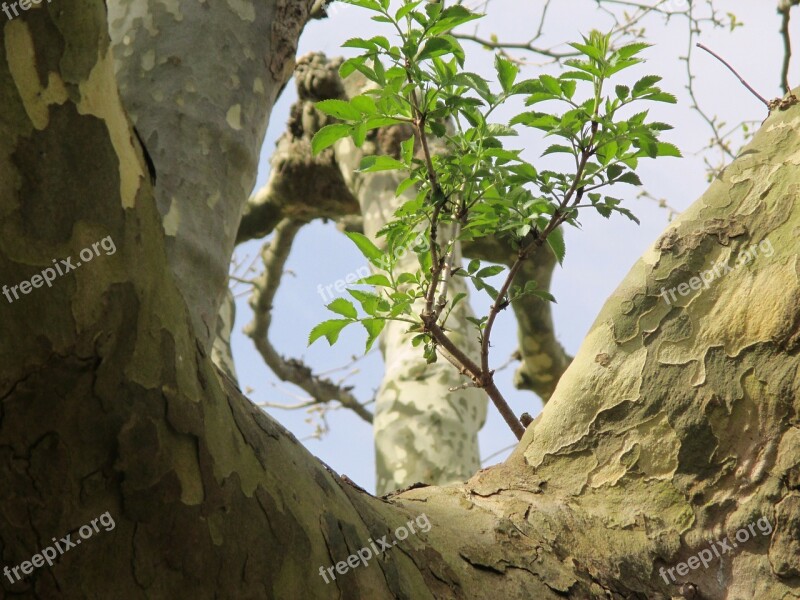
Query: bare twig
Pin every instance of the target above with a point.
(735, 72)
(498, 453)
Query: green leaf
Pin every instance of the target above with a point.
(344, 308)
(360, 133)
(376, 279)
(330, 329)
(622, 91)
(435, 47)
(381, 162)
(370, 251)
(359, 43)
(614, 171)
(370, 303)
(644, 84)
(556, 242)
(583, 76)
(556, 148)
(632, 49)
(607, 152)
(451, 17)
(498, 130)
(456, 299)
(329, 135)
(404, 185)
(551, 84)
(403, 11)
(374, 328)
(506, 72)
(629, 177)
(473, 266)
(666, 149)
(568, 86)
(659, 96)
(349, 66)
(544, 295)
(407, 149)
(490, 271)
(368, 4)
(339, 109)
(364, 104)
(628, 214)
(589, 51)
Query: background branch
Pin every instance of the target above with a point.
(274, 254)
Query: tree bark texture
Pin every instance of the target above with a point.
(676, 424)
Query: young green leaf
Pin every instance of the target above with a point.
(370, 251)
(374, 328)
(556, 242)
(506, 72)
(339, 109)
(375, 279)
(381, 162)
(329, 135)
(490, 271)
(344, 308)
(403, 11)
(330, 329)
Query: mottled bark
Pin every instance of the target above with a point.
(198, 81)
(676, 423)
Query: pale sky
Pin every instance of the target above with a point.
(598, 256)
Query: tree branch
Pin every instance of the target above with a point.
(274, 254)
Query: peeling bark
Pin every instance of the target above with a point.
(675, 424)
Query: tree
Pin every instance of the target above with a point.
(674, 427)
(404, 453)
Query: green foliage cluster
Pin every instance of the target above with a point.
(477, 186)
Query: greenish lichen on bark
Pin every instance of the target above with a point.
(685, 430)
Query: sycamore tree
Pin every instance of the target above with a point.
(665, 464)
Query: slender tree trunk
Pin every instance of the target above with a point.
(426, 423)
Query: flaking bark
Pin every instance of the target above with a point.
(674, 425)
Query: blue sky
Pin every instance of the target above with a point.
(598, 256)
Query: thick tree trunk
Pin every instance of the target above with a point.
(675, 426)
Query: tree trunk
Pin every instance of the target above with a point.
(219, 67)
(675, 425)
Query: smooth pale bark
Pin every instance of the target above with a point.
(198, 80)
(675, 424)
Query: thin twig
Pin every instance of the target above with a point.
(732, 70)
